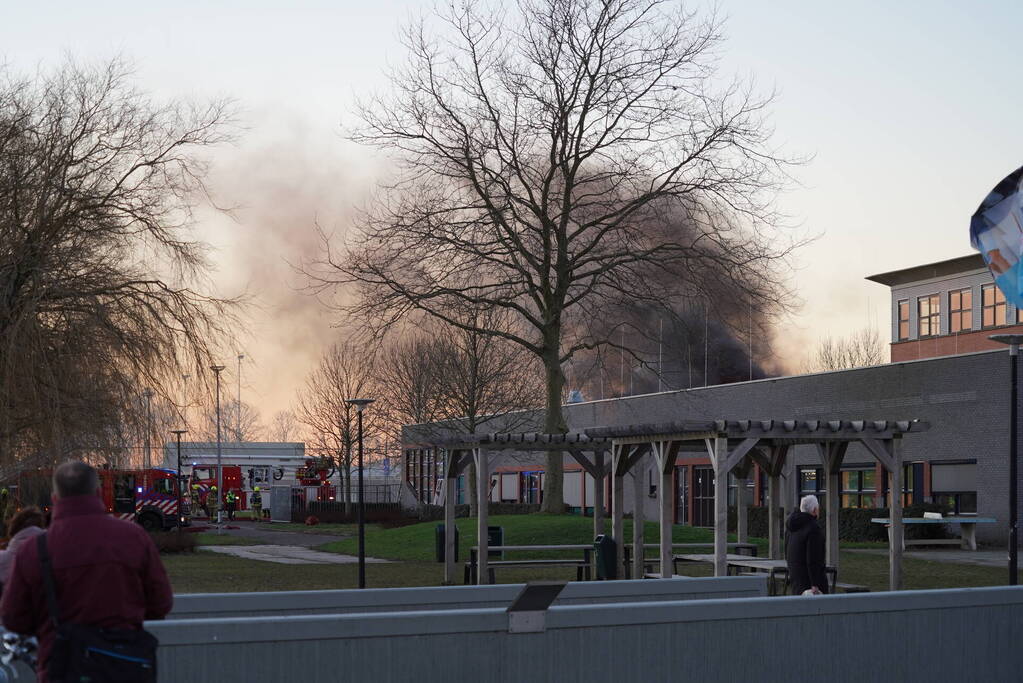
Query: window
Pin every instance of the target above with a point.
(163, 486)
(812, 481)
(927, 313)
(955, 484)
(859, 487)
(992, 306)
(904, 320)
(960, 311)
(912, 485)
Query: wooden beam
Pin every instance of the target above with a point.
(665, 453)
(736, 456)
(450, 532)
(832, 454)
(720, 507)
(483, 496)
(618, 453)
(639, 471)
(598, 494)
(895, 516)
(878, 448)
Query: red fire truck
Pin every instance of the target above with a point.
(149, 497)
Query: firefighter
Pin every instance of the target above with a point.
(256, 503)
(5, 505)
(196, 502)
(230, 504)
(213, 503)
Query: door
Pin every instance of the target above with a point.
(703, 496)
(124, 494)
(682, 494)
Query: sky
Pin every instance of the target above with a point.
(907, 114)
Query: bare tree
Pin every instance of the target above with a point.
(100, 279)
(345, 371)
(484, 380)
(249, 428)
(283, 427)
(860, 349)
(536, 147)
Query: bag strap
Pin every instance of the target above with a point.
(51, 589)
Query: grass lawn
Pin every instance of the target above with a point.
(213, 538)
(413, 549)
(325, 529)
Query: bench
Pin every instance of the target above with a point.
(582, 567)
(850, 587)
(581, 564)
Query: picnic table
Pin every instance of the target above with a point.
(749, 549)
(582, 565)
(967, 525)
(777, 570)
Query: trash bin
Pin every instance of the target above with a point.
(439, 538)
(605, 551)
(495, 536)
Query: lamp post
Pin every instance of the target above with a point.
(1013, 340)
(217, 369)
(238, 417)
(360, 405)
(178, 433)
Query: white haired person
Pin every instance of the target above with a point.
(804, 549)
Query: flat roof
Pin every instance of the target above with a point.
(927, 271)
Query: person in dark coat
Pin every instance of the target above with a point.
(107, 571)
(804, 549)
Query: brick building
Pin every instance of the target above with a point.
(946, 308)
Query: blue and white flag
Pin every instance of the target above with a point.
(996, 230)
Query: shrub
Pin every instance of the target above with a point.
(174, 542)
(854, 523)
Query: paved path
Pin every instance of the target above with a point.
(286, 554)
(266, 534)
(984, 558)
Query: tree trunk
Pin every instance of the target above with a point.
(470, 479)
(554, 423)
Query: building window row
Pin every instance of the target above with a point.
(993, 312)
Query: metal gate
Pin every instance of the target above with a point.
(280, 503)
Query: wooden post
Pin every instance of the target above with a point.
(638, 517)
(665, 456)
(598, 494)
(618, 454)
(719, 457)
(450, 478)
(741, 506)
(773, 523)
(832, 454)
(483, 497)
(895, 517)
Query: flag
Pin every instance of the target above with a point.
(996, 230)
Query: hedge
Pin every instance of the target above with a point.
(854, 523)
(431, 513)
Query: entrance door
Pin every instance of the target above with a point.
(703, 496)
(682, 494)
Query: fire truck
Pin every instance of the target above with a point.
(243, 473)
(149, 497)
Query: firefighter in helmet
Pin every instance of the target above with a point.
(5, 505)
(256, 503)
(196, 502)
(213, 502)
(230, 504)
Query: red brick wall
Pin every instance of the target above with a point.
(950, 345)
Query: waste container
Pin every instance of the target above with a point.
(605, 550)
(495, 536)
(439, 538)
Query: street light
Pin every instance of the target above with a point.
(360, 405)
(217, 369)
(181, 516)
(1013, 340)
(238, 420)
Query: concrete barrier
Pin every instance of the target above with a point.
(960, 634)
(213, 605)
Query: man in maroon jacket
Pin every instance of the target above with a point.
(107, 571)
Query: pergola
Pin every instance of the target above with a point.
(733, 447)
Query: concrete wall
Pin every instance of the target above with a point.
(961, 634)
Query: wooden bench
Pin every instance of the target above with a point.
(850, 587)
(581, 564)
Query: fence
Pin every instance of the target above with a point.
(960, 634)
(273, 604)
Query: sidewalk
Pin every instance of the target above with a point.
(983, 558)
(286, 554)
